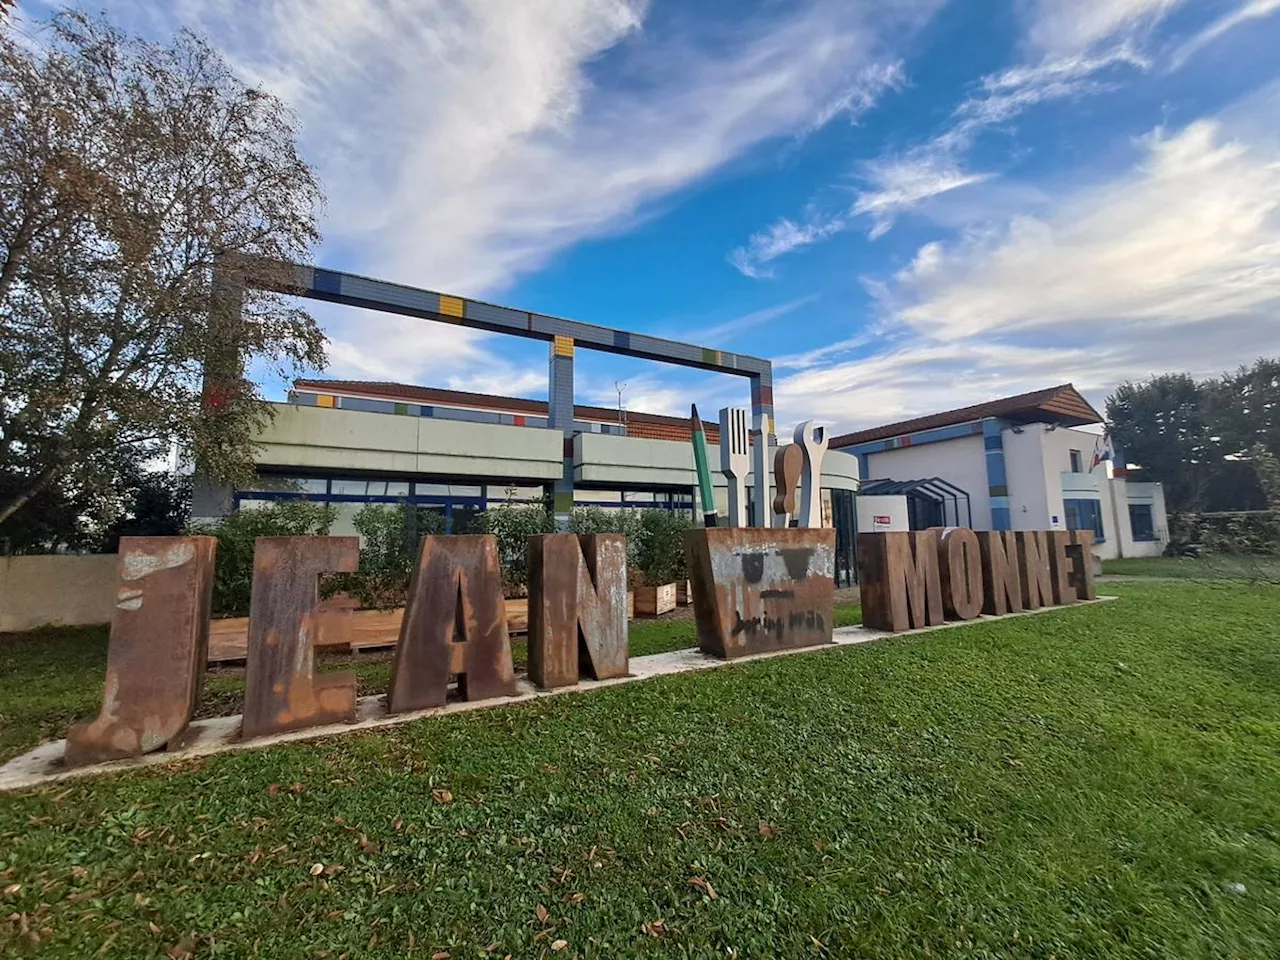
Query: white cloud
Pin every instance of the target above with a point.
(780, 238)
(464, 144)
(903, 183)
(1249, 10)
(1068, 27)
(723, 332)
(1171, 265)
(1190, 235)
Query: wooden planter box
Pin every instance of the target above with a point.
(684, 593)
(655, 601)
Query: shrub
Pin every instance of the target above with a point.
(237, 533)
(513, 526)
(1253, 533)
(389, 539)
(660, 546)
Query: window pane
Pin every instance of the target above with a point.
(597, 496)
(1077, 462)
(349, 488)
(397, 488)
(465, 490)
(638, 496)
(281, 484)
(1141, 521)
(431, 489)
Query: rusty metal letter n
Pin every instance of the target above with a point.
(577, 607)
(455, 624)
(156, 657)
(281, 691)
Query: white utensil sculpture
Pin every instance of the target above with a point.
(813, 441)
(762, 466)
(735, 461)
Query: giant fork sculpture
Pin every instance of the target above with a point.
(735, 461)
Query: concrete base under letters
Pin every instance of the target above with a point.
(43, 765)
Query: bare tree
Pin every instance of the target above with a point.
(127, 169)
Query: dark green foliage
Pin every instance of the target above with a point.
(513, 525)
(160, 507)
(660, 551)
(1212, 443)
(1242, 533)
(389, 540)
(1084, 783)
(236, 535)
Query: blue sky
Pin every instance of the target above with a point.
(908, 205)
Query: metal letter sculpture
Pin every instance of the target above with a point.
(281, 692)
(760, 590)
(735, 461)
(813, 442)
(901, 585)
(455, 624)
(1080, 554)
(960, 569)
(762, 467)
(1001, 572)
(577, 607)
(156, 657)
(1035, 572)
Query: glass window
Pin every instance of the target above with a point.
(1141, 521)
(1077, 461)
(431, 489)
(466, 490)
(253, 504)
(639, 496)
(1084, 514)
(510, 493)
(597, 496)
(349, 488)
(276, 483)
(397, 488)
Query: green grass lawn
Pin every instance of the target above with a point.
(1090, 782)
(51, 678)
(1214, 567)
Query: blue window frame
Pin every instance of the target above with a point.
(1142, 521)
(1085, 514)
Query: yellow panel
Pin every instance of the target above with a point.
(451, 306)
(564, 346)
(324, 400)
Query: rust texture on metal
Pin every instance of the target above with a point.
(1035, 574)
(758, 589)
(455, 625)
(156, 655)
(960, 571)
(282, 691)
(900, 582)
(1080, 553)
(1001, 572)
(577, 608)
(788, 466)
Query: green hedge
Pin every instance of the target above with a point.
(1254, 533)
(390, 536)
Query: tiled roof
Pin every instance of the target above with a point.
(1061, 404)
(651, 426)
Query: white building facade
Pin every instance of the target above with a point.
(1022, 463)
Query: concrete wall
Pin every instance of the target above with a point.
(320, 438)
(1025, 472)
(1124, 493)
(961, 461)
(56, 590)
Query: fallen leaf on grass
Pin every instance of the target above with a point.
(440, 955)
(106, 944)
(152, 928)
(559, 945)
(317, 869)
(703, 884)
(767, 829)
(542, 913)
(13, 889)
(367, 845)
(273, 790)
(654, 928)
(183, 949)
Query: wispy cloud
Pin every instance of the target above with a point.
(723, 332)
(464, 144)
(762, 248)
(1249, 10)
(1067, 28)
(1171, 264)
